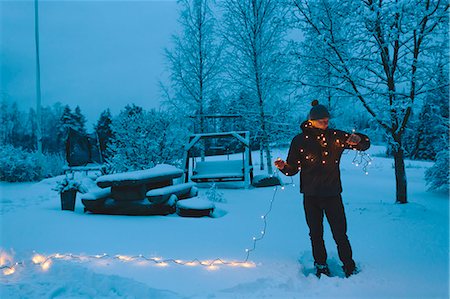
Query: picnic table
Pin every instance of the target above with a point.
(133, 185)
(126, 193)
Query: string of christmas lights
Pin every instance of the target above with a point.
(264, 217)
(362, 159)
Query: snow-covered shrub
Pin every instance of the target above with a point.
(18, 165)
(68, 184)
(52, 165)
(437, 176)
(142, 139)
(213, 194)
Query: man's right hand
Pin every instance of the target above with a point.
(280, 164)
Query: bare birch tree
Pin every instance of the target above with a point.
(380, 52)
(255, 32)
(194, 61)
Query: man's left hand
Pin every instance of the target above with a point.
(353, 139)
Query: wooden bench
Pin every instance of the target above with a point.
(162, 195)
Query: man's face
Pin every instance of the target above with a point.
(320, 123)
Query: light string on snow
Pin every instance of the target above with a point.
(266, 214)
(8, 270)
(45, 261)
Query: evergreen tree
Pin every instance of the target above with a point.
(66, 121)
(437, 177)
(433, 125)
(80, 120)
(51, 116)
(104, 131)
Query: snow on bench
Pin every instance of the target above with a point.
(195, 207)
(161, 172)
(218, 170)
(97, 194)
(162, 195)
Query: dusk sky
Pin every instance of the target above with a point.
(95, 54)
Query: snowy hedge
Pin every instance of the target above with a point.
(19, 165)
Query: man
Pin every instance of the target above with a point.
(316, 153)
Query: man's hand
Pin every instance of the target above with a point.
(280, 164)
(353, 139)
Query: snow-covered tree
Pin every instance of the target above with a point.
(194, 62)
(103, 130)
(437, 177)
(255, 34)
(142, 139)
(381, 53)
(80, 120)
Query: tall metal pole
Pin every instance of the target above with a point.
(38, 79)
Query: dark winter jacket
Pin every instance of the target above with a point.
(317, 154)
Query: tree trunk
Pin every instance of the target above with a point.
(400, 174)
(261, 156)
(268, 154)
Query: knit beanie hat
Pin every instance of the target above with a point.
(318, 111)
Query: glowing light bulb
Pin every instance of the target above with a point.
(262, 217)
(262, 232)
(38, 259)
(46, 265)
(9, 271)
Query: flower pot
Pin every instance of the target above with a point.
(68, 200)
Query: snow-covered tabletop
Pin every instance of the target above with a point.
(161, 172)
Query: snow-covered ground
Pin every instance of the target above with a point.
(402, 250)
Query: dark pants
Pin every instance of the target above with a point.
(332, 207)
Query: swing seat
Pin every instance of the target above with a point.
(218, 171)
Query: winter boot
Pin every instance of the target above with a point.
(322, 269)
(350, 270)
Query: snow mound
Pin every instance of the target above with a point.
(71, 281)
(195, 203)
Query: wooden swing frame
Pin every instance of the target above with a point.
(247, 169)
